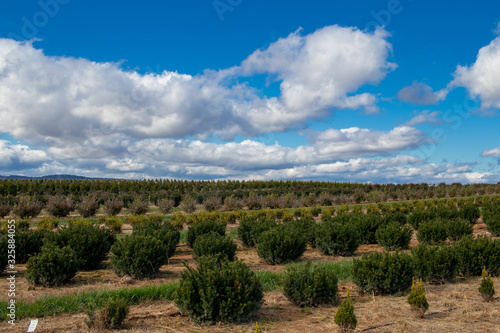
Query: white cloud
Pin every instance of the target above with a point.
(421, 93)
(425, 117)
(482, 79)
(19, 156)
(495, 152)
(319, 71)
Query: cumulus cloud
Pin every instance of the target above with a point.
(421, 93)
(425, 117)
(482, 79)
(320, 70)
(495, 152)
(63, 102)
(20, 157)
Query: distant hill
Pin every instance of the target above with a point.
(48, 177)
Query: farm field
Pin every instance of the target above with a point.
(455, 305)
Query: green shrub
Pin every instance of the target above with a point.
(367, 226)
(435, 264)
(470, 212)
(417, 299)
(420, 216)
(345, 317)
(219, 291)
(445, 213)
(458, 228)
(306, 227)
(114, 223)
(339, 239)
(138, 256)
(383, 273)
(188, 204)
(474, 254)
(215, 245)
(27, 207)
(3, 248)
(280, 245)
(251, 228)
(164, 231)
(28, 243)
(432, 232)
(491, 217)
(394, 236)
(487, 288)
(398, 217)
(52, 267)
(305, 286)
(47, 224)
(91, 243)
(166, 205)
(204, 227)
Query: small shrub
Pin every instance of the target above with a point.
(470, 212)
(345, 317)
(188, 204)
(417, 299)
(383, 273)
(110, 317)
(394, 236)
(215, 245)
(212, 203)
(4, 210)
(139, 206)
(398, 217)
(432, 232)
(59, 206)
(458, 228)
(474, 254)
(138, 256)
(52, 267)
(88, 207)
(487, 288)
(307, 286)
(420, 216)
(338, 239)
(491, 217)
(164, 231)
(178, 220)
(435, 264)
(219, 291)
(232, 203)
(202, 228)
(27, 208)
(279, 245)
(251, 228)
(91, 243)
(114, 223)
(306, 227)
(166, 205)
(47, 224)
(3, 249)
(28, 243)
(113, 206)
(367, 226)
(315, 211)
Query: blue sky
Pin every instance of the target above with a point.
(363, 91)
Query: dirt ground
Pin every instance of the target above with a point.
(468, 312)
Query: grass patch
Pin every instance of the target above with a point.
(54, 305)
(233, 233)
(183, 238)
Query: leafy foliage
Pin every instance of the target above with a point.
(487, 288)
(138, 256)
(28, 243)
(88, 207)
(204, 227)
(345, 317)
(215, 245)
(394, 236)
(334, 238)
(280, 245)
(383, 273)
(58, 206)
(474, 254)
(164, 231)
(491, 217)
(219, 291)
(435, 264)
(417, 298)
(432, 232)
(458, 228)
(251, 228)
(54, 266)
(306, 285)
